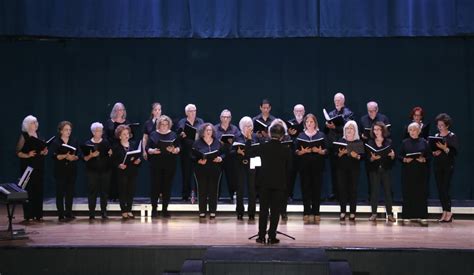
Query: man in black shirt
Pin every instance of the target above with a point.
(272, 182)
(264, 118)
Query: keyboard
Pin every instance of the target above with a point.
(11, 192)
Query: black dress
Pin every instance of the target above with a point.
(312, 167)
(414, 182)
(444, 169)
(33, 208)
(109, 134)
(162, 169)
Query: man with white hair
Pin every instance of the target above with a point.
(334, 133)
(297, 122)
(231, 131)
(370, 118)
(186, 147)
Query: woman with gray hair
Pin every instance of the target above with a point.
(414, 155)
(118, 116)
(97, 155)
(208, 155)
(350, 152)
(245, 175)
(33, 156)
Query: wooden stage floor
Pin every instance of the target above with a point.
(187, 230)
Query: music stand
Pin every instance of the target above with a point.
(17, 234)
(277, 232)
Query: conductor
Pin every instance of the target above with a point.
(271, 182)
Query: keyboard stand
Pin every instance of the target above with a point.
(10, 234)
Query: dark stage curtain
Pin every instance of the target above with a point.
(79, 80)
(236, 18)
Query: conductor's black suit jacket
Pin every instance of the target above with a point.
(276, 164)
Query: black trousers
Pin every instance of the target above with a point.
(229, 168)
(270, 200)
(295, 169)
(347, 185)
(246, 178)
(33, 208)
(126, 186)
(113, 185)
(333, 161)
(377, 177)
(187, 168)
(291, 182)
(98, 185)
(311, 182)
(443, 176)
(65, 193)
(207, 179)
(161, 181)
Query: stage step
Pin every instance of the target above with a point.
(339, 268)
(192, 267)
(265, 260)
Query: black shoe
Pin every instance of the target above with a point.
(104, 216)
(251, 217)
(273, 240)
(284, 217)
(70, 217)
(154, 213)
(91, 217)
(39, 219)
(240, 217)
(61, 218)
(260, 240)
(166, 214)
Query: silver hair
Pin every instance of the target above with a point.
(278, 121)
(113, 113)
(245, 121)
(96, 125)
(373, 104)
(341, 95)
(298, 106)
(26, 121)
(414, 125)
(189, 106)
(353, 124)
(226, 110)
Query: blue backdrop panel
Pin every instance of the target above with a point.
(236, 18)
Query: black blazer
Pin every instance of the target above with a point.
(276, 164)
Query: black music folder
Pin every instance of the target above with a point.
(87, 149)
(227, 138)
(210, 156)
(336, 120)
(190, 131)
(131, 156)
(305, 143)
(259, 126)
(383, 152)
(432, 140)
